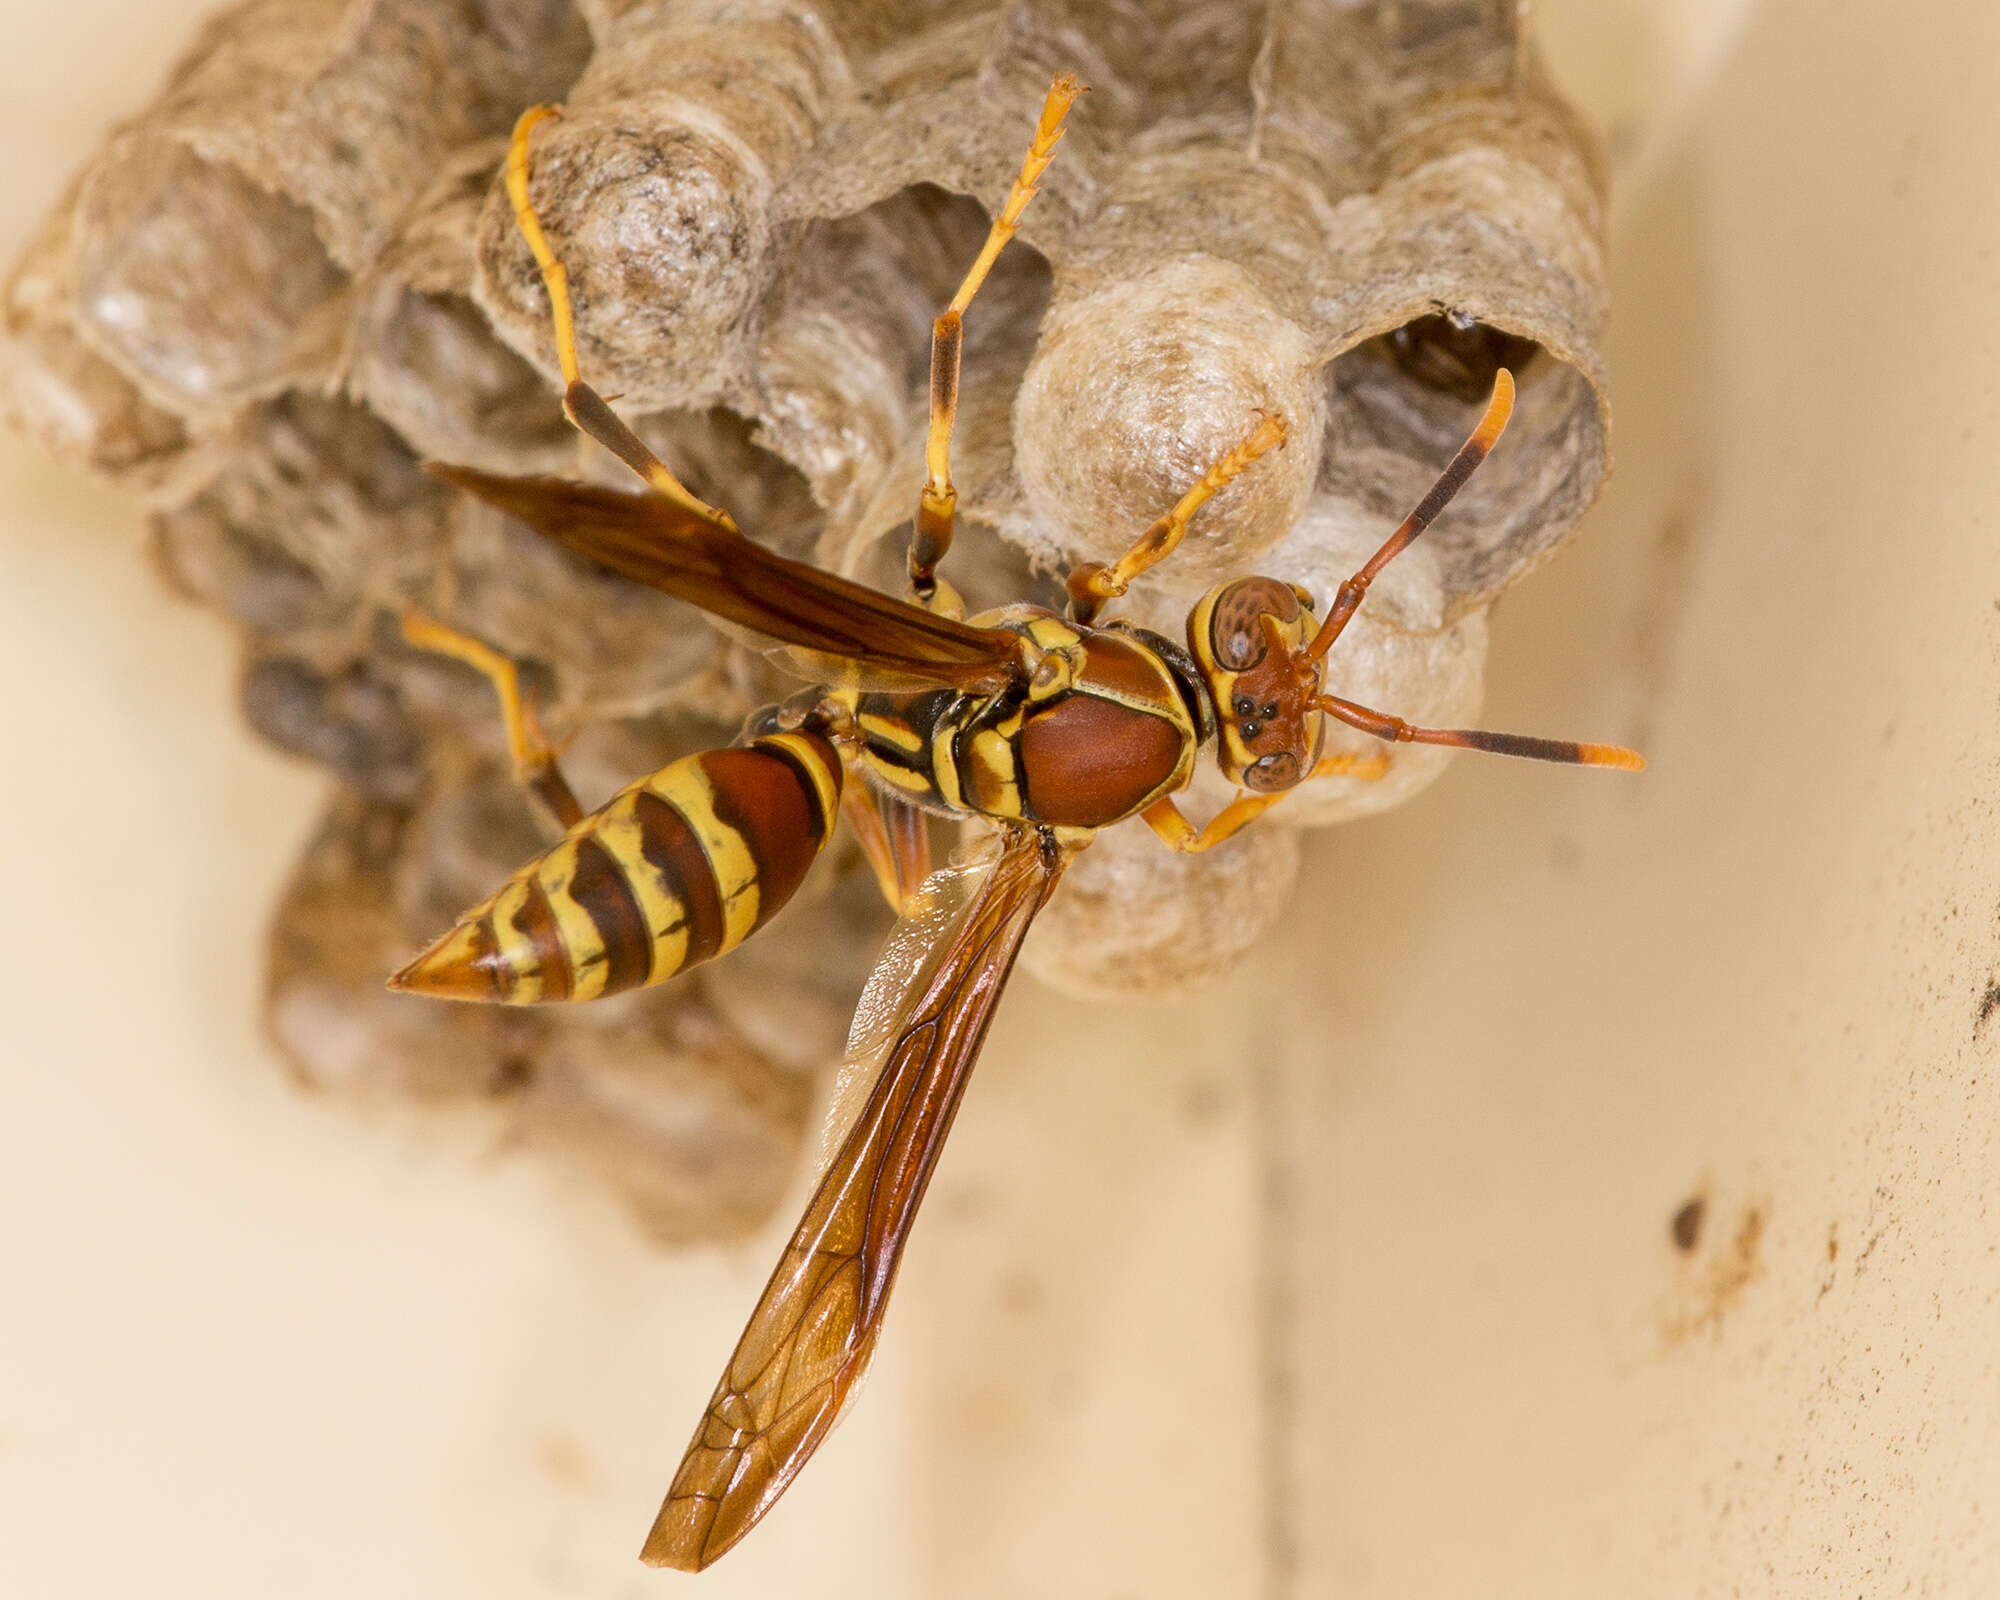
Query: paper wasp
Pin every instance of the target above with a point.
(1048, 727)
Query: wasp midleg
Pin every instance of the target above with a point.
(673, 870)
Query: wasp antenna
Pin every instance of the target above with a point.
(1475, 450)
(1568, 751)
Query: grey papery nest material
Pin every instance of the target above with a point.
(295, 276)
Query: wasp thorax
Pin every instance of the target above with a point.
(1248, 638)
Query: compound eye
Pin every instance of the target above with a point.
(1236, 630)
(1279, 770)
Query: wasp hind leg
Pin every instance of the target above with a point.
(535, 760)
(582, 404)
(937, 504)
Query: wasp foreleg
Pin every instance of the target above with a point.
(1165, 819)
(1093, 584)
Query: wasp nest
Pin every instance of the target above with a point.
(295, 276)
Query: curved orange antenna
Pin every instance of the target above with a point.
(1498, 409)
(1396, 730)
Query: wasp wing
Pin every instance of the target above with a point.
(812, 1334)
(709, 564)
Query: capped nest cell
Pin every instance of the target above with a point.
(296, 276)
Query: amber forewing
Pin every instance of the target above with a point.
(653, 541)
(814, 1330)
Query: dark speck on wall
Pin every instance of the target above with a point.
(1989, 1002)
(1686, 1226)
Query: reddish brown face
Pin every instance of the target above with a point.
(1248, 638)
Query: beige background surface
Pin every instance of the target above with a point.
(1353, 1278)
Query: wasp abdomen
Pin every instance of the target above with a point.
(673, 870)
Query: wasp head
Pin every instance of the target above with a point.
(1249, 639)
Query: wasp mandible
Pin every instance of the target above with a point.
(1048, 727)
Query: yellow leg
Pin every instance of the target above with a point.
(535, 762)
(582, 404)
(1375, 764)
(937, 504)
(1165, 819)
(1093, 584)
(1177, 833)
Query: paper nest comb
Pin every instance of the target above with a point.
(294, 277)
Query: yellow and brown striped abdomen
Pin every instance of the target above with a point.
(673, 870)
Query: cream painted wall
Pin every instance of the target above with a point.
(1352, 1279)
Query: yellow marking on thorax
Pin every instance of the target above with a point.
(728, 852)
(1163, 702)
(890, 731)
(666, 916)
(1052, 633)
(897, 777)
(993, 751)
(522, 983)
(944, 763)
(582, 941)
(1062, 658)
